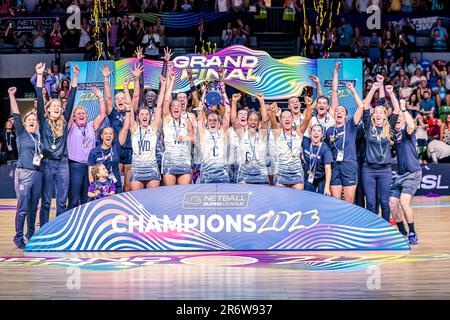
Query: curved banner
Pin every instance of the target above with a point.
(247, 70)
(215, 217)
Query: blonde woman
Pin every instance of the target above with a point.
(80, 142)
(377, 171)
(53, 133)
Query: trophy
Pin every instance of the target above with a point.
(213, 94)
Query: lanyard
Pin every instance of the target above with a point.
(9, 140)
(104, 158)
(379, 139)
(176, 129)
(141, 139)
(83, 132)
(313, 164)
(214, 142)
(252, 147)
(335, 139)
(37, 144)
(290, 141)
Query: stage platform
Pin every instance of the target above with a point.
(421, 273)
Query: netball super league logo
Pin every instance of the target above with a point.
(222, 200)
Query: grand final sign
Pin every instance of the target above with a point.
(217, 217)
(246, 70)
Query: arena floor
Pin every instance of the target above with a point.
(421, 273)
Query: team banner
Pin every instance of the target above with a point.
(217, 217)
(247, 70)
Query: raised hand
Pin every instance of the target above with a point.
(376, 85)
(162, 79)
(314, 78)
(189, 73)
(236, 97)
(97, 92)
(203, 88)
(337, 66)
(220, 72)
(273, 107)
(40, 67)
(349, 85)
(278, 112)
(76, 69)
(308, 100)
(12, 91)
(171, 73)
(138, 52)
(389, 89)
(402, 104)
(167, 54)
(126, 82)
(380, 78)
(259, 95)
(105, 71)
(138, 69)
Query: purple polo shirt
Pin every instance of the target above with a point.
(77, 151)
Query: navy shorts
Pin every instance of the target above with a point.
(126, 155)
(344, 173)
(407, 183)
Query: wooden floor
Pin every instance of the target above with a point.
(419, 274)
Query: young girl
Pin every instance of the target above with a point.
(103, 186)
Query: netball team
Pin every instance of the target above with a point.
(157, 139)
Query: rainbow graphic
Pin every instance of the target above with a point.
(277, 78)
(217, 217)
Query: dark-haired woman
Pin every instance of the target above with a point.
(108, 152)
(28, 175)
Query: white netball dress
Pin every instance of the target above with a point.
(144, 165)
(252, 155)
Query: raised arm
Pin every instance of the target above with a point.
(126, 125)
(72, 93)
(137, 72)
(273, 109)
(108, 97)
(193, 89)
(380, 80)
(233, 112)
(263, 110)
(159, 103)
(18, 125)
(335, 89)
(410, 124)
(200, 111)
(227, 109)
(40, 67)
(368, 100)
(102, 114)
(310, 107)
(316, 80)
(358, 113)
(390, 91)
(168, 93)
(12, 100)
